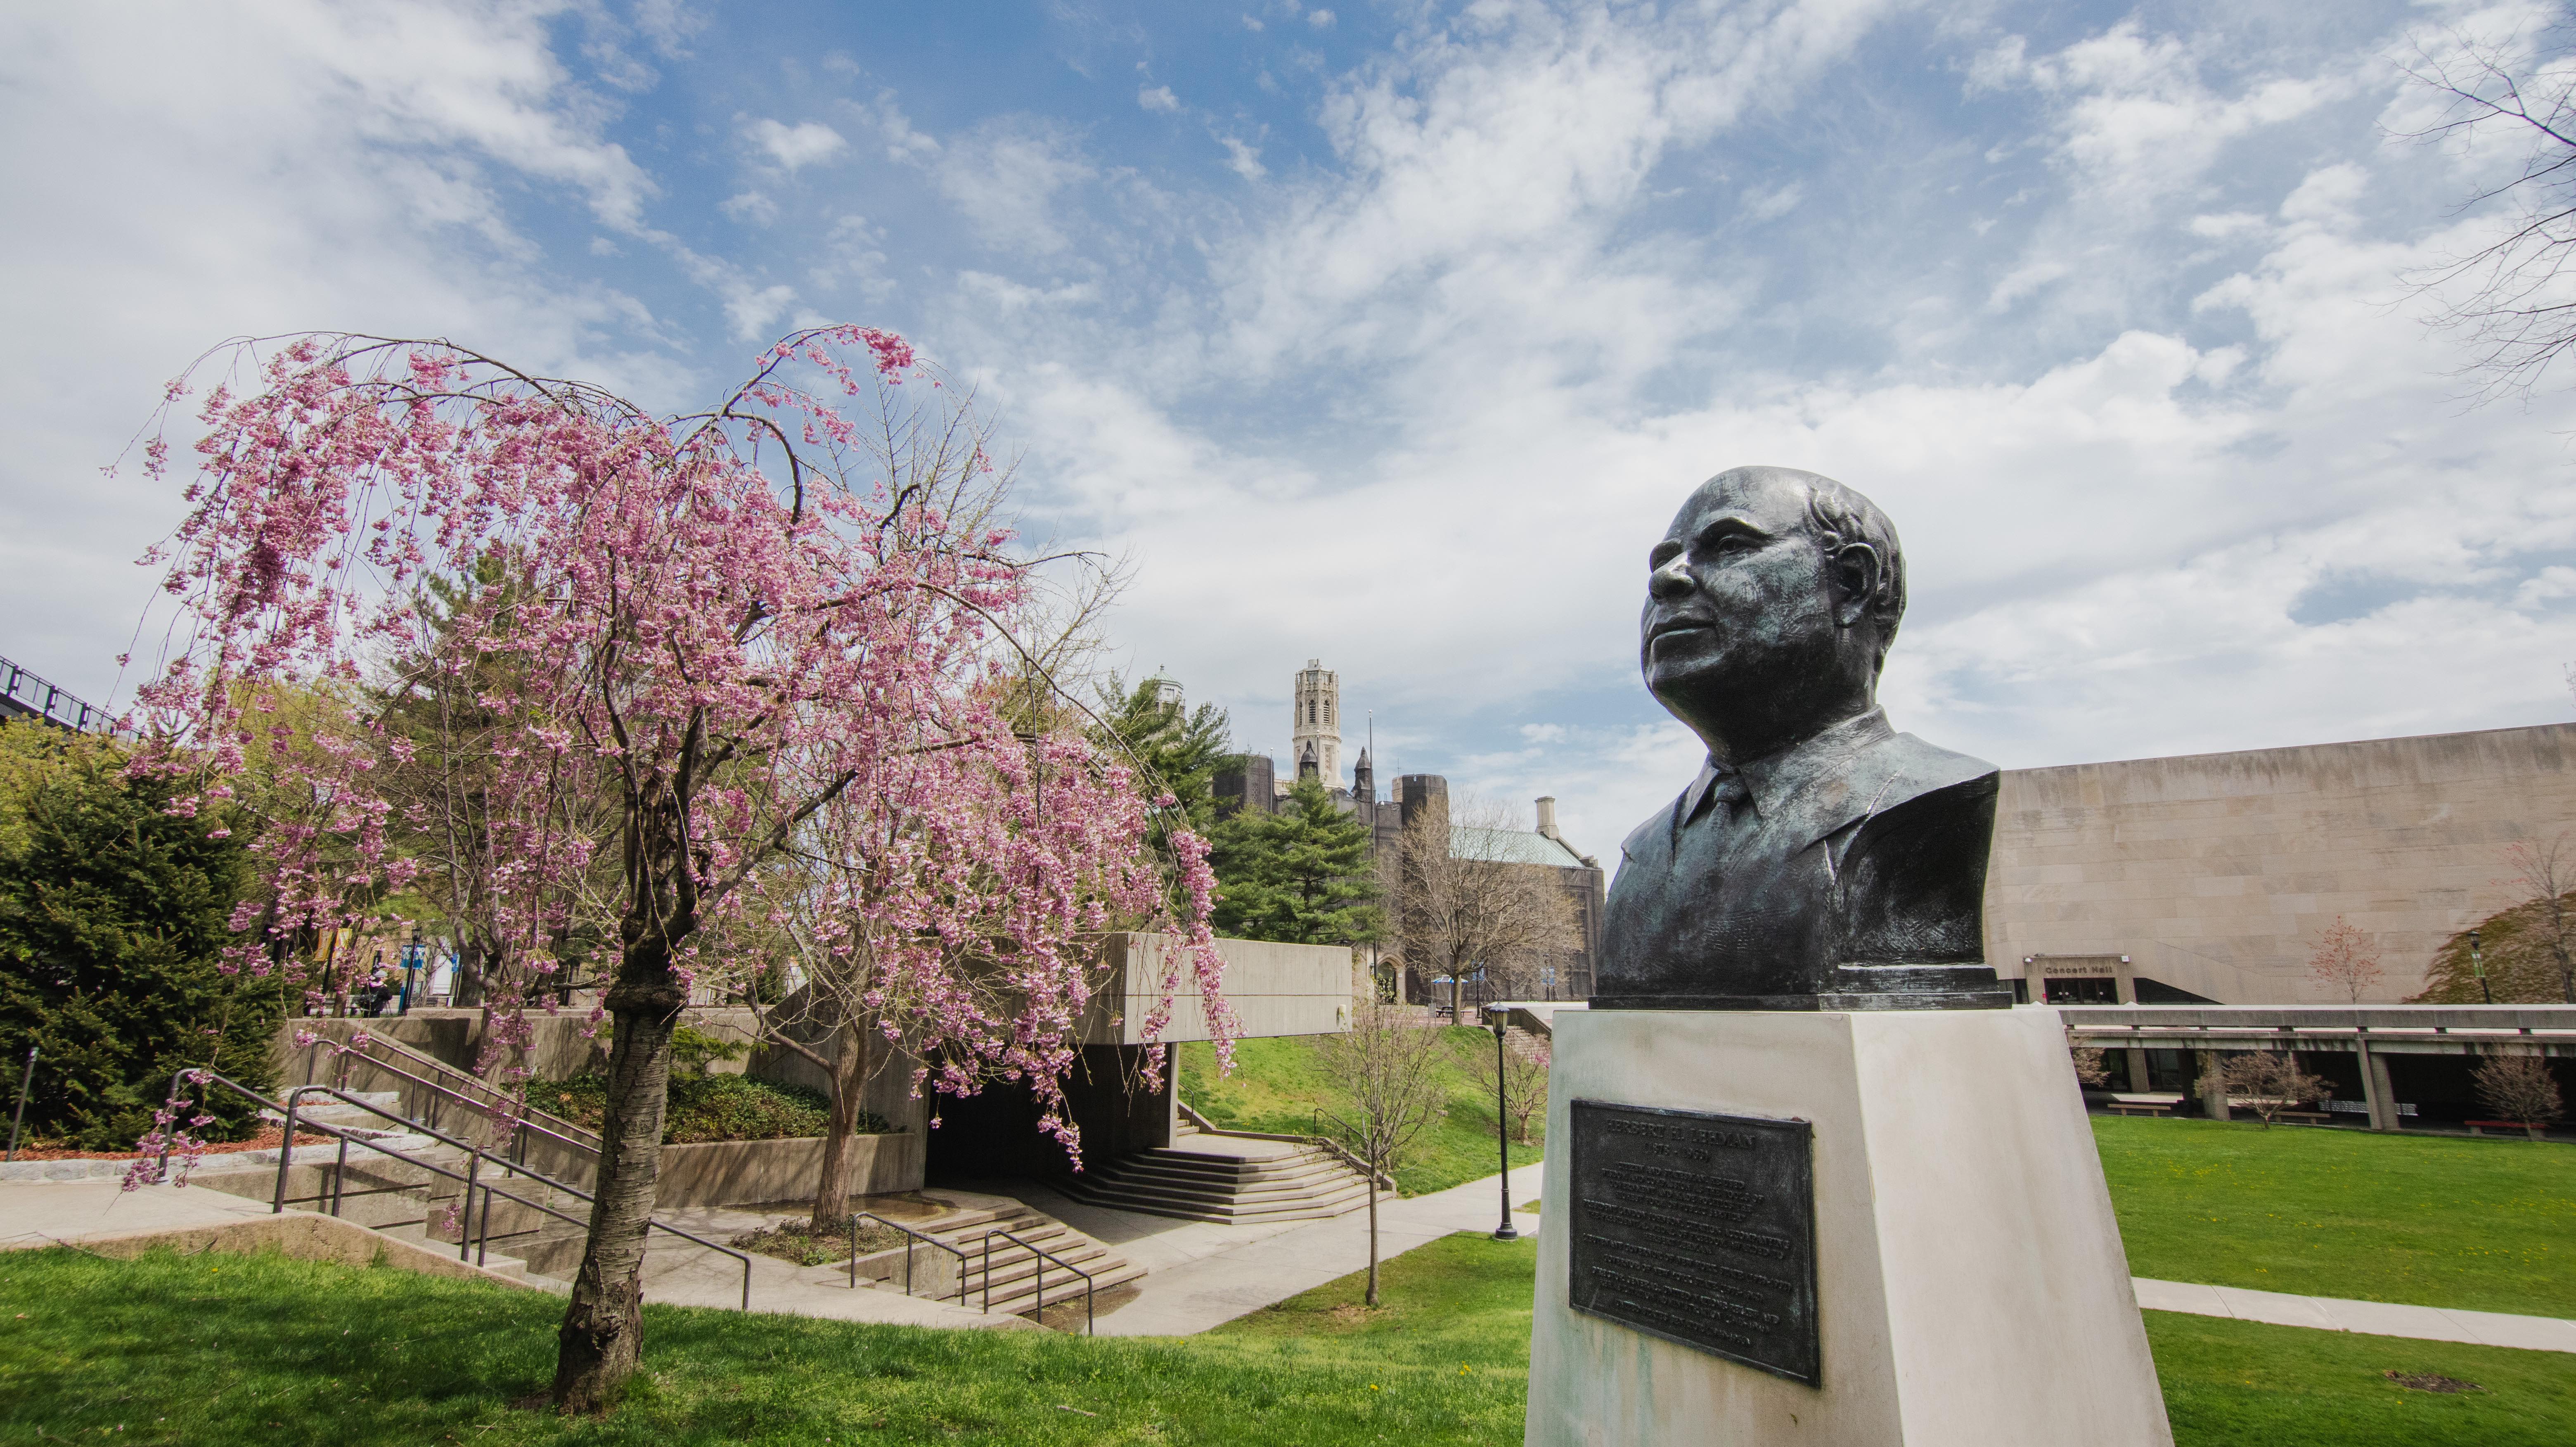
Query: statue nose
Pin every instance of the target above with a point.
(1672, 580)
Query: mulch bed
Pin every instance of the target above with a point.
(267, 1139)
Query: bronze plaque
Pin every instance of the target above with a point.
(1700, 1229)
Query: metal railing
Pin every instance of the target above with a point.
(926, 1240)
(447, 1083)
(1040, 1256)
(29, 695)
(477, 1243)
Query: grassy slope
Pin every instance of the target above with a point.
(1276, 1087)
(221, 1350)
(2487, 1225)
(218, 1350)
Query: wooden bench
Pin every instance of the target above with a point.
(2521, 1125)
(2133, 1107)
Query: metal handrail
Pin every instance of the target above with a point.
(572, 1134)
(907, 1256)
(477, 1153)
(475, 1156)
(520, 1130)
(1090, 1320)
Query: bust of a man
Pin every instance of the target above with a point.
(1820, 860)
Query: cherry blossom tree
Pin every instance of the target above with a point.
(2344, 961)
(674, 657)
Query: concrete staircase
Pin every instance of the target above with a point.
(1203, 1176)
(1015, 1268)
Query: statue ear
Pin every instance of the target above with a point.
(1854, 567)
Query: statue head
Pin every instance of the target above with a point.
(1770, 605)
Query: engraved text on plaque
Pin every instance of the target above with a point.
(1698, 1228)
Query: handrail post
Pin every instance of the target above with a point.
(340, 1176)
(483, 1237)
(854, 1257)
(285, 1151)
(473, 1165)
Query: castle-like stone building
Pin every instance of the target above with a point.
(1253, 781)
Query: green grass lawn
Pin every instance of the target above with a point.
(1276, 1086)
(217, 1350)
(2486, 1225)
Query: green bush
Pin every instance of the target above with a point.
(113, 914)
(707, 1107)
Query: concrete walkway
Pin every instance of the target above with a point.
(2373, 1318)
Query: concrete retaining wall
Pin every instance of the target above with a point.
(741, 1173)
(304, 1237)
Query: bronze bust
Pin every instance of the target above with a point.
(1821, 860)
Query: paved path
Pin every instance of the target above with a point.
(50, 1213)
(2375, 1318)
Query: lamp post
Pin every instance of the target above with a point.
(1502, 1135)
(2478, 966)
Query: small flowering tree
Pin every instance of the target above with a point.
(661, 660)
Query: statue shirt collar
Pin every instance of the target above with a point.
(1778, 782)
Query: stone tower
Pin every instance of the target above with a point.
(1315, 717)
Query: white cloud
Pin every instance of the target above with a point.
(751, 207)
(1242, 159)
(1159, 98)
(797, 146)
(182, 173)
(1773, 203)
(1320, 19)
(1004, 176)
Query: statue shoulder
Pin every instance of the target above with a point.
(1912, 768)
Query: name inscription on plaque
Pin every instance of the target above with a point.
(1700, 1229)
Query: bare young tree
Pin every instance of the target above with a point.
(2270, 1082)
(1519, 1075)
(2511, 297)
(2344, 961)
(2519, 1088)
(1387, 1070)
(2544, 870)
(1473, 892)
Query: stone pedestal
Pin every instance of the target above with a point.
(1970, 1287)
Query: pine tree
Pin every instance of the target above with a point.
(112, 916)
(1301, 875)
(1179, 750)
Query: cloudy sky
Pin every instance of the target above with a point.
(1392, 333)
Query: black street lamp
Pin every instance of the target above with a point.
(2478, 965)
(1502, 1135)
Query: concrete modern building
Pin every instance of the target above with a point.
(2207, 878)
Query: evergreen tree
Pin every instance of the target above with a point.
(1179, 749)
(112, 916)
(1301, 875)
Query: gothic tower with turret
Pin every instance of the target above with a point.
(1316, 722)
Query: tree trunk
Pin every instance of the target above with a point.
(1372, 1190)
(849, 1083)
(1457, 995)
(602, 1338)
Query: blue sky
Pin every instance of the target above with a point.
(1391, 334)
